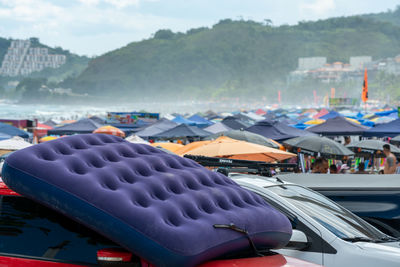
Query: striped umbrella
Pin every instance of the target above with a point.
(111, 130)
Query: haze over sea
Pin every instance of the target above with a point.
(44, 112)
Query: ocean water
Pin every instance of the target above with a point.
(65, 112)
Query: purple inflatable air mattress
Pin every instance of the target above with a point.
(162, 207)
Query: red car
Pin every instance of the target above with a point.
(34, 235)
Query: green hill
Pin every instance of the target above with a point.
(233, 58)
(391, 16)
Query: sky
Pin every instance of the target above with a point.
(94, 27)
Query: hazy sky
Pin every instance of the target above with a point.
(93, 27)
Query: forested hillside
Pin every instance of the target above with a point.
(233, 58)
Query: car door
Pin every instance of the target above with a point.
(314, 252)
(33, 235)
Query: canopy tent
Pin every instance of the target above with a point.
(179, 119)
(338, 126)
(98, 119)
(330, 115)
(230, 148)
(200, 121)
(217, 128)
(156, 128)
(276, 130)
(8, 129)
(387, 113)
(235, 123)
(390, 129)
(247, 136)
(79, 127)
(183, 131)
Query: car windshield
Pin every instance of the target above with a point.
(333, 217)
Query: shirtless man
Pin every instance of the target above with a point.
(390, 164)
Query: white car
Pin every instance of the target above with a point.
(323, 231)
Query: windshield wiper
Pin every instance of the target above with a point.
(389, 239)
(359, 239)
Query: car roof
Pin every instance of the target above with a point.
(344, 181)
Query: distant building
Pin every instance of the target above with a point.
(359, 62)
(317, 68)
(22, 59)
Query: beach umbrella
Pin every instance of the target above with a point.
(230, 148)
(314, 122)
(183, 150)
(111, 130)
(14, 143)
(47, 138)
(168, 146)
(247, 136)
(316, 145)
(371, 147)
(395, 140)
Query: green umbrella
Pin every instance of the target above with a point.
(247, 136)
(316, 145)
(366, 148)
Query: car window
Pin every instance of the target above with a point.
(332, 216)
(30, 229)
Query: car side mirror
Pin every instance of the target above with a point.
(298, 240)
(117, 257)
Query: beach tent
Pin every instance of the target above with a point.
(217, 128)
(200, 121)
(235, 123)
(276, 130)
(330, 115)
(79, 127)
(156, 128)
(179, 119)
(390, 129)
(12, 131)
(183, 131)
(338, 126)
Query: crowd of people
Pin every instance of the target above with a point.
(391, 166)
